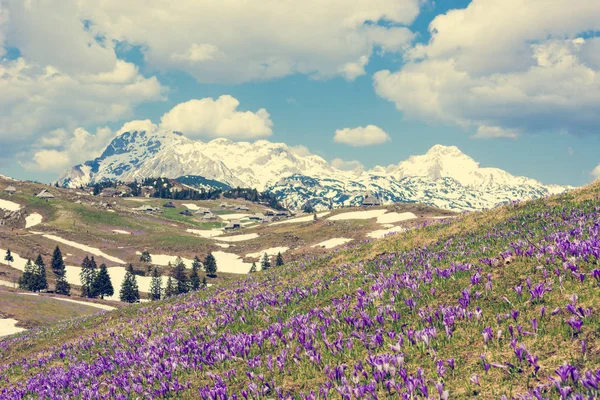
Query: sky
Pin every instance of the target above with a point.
(514, 84)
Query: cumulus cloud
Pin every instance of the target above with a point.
(502, 69)
(280, 38)
(301, 150)
(369, 135)
(346, 165)
(596, 172)
(217, 118)
(60, 149)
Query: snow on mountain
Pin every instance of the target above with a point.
(444, 176)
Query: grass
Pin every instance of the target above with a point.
(319, 303)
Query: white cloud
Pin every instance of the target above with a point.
(301, 150)
(361, 136)
(504, 68)
(278, 38)
(61, 150)
(217, 118)
(346, 165)
(596, 172)
(35, 99)
(137, 125)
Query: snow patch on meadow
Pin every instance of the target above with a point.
(306, 218)
(223, 245)
(210, 233)
(331, 243)
(231, 263)
(163, 259)
(91, 250)
(9, 205)
(357, 215)
(228, 217)
(270, 252)
(192, 207)
(378, 234)
(7, 327)
(238, 238)
(32, 220)
(392, 217)
(121, 232)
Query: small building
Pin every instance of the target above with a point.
(256, 217)
(233, 224)
(146, 209)
(187, 213)
(242, 208)
(10, 189)
(170, 204)
(44, 194)
(208, 217)
(203, 211)
(270, 213)
(371, 201)
(283, 213)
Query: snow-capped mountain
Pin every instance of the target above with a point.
(443, 177)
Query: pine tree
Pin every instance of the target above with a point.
(253, 268)
(279, 260)
(8, 257)
(146, 257)
(87, 277)
(39, 281)
(129, 288)
(155, 285)
(204, 283)
(210, 265)
(25, 281)
(266, 263)
(171, 289)
(183, 283)
(60, 271)
(102, 285)
(194, 278)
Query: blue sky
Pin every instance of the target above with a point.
(545, 142)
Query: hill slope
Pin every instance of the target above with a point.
(443, 177)
(500, 303)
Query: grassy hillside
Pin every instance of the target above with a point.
(500, 303)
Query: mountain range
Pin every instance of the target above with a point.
(444, 177)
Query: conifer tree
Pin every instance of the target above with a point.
(279, 260)
(155, 285)
(25, 281)
(87, 276)
(9, 257)
(60, 271)
(129, 288)
(266, 263)
(102, 285)
(146, 257)
(171, 289)
(253, 268)
(204, 283)
(210, 265)
(39, 281)
(183, 283)
(194, 278)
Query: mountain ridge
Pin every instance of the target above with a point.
(444, 176)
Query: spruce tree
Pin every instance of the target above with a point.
(25, 281)
(183, 283)
(102, 285)
(87, 277)
(39, 281)
(279, 260)
(9, 257)
(210, 265)
(129, 288)
(171, 289)
(60, 271)
(194, 278)
(204, 283)
(253, 268)
(146, 257)
(155, 285)
(266, 263)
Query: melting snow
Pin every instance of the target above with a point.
(238, 238)
(91, 250)
(7, 327)
(164, 259)
(192, 207)
(231, 263)
(206, 233)
(383, 232)
(270, 252)
(307, 218)
(121, 232)
(223, 245)
(331, 243)
(228, 217)
(9, 205)
(392, 217)
(357, 215)
(33, 220)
